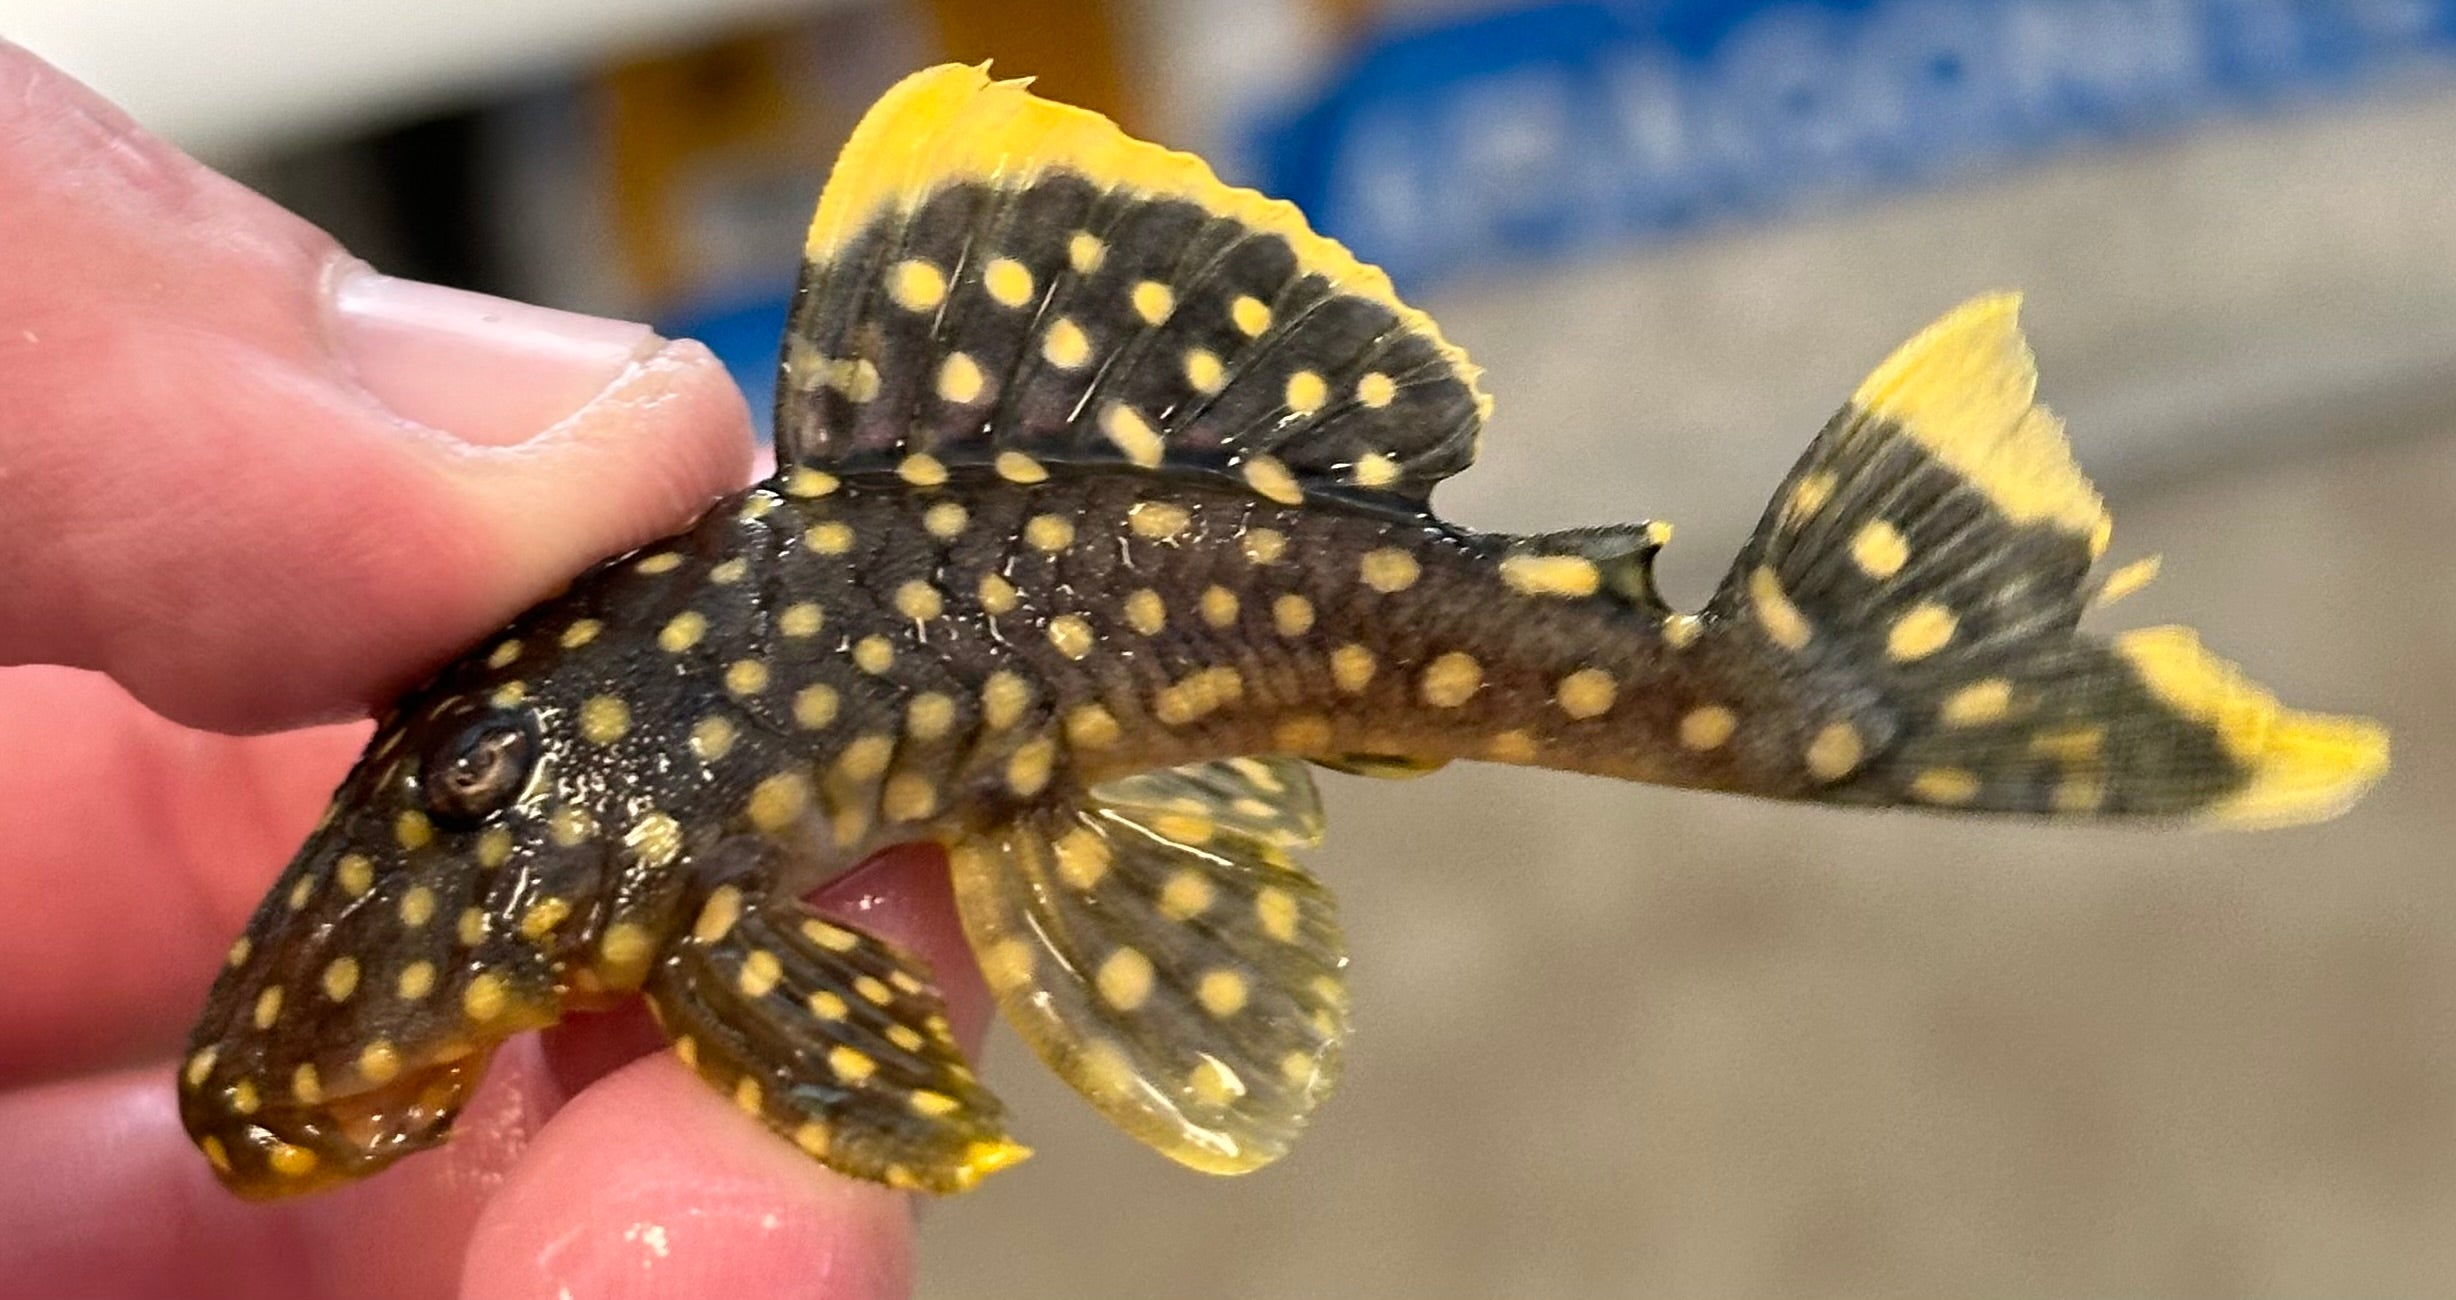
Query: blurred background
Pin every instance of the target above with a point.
(1616, 1041)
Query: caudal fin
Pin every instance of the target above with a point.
(1922, 573)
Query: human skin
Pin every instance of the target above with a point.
(248, 490)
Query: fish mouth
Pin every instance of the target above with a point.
(267, 1152)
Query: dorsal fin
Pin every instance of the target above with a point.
(990, 272)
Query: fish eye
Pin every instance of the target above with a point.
(480, 770)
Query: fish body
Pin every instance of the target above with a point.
(1103, 510)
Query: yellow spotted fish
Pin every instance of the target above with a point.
(1103, 511)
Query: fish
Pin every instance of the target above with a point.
(1102, 515)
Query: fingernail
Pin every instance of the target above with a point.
(485, 369)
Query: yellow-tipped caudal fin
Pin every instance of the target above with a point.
(1918, 582)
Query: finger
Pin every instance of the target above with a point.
(651, 1184)
(104, 1199)
(256, 482)
(131, 852)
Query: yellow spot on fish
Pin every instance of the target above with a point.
(471, 928)
(542, 916)
(807, 483)
(625, 946)
(1292, 615)
(1945, 785)
(1008, 281)
(1979, 703)
(509, 695)
(1276, 909)
(379, 1062)
(1203, 370)
(1219, 606)
(1144, 611)
(1306, 392)
(850, 1065)
(930, 716)
(1082, 858)
(933, 1104)
(827, 1005)
(416, 980)
(655, 840)
(1835, 752)
(812, 1136)
(1879, 550)
(1250, 315)
(1586, 693)
(1351, 667)
(1451, 680)
(237, 956)
(571, 826)
(411, 830)
(746, 677)
(916, 285)
(1161, 521)
(945, 520)
(291, 1160)
(1808, 498)
(2078, 794)
(504, 654)
(729, 572)
(1049, 532)
(760, 974)
(746, 1095)
(1015, 467)
(1374, 469)
(268, 1007)
(1064, 344)
(1089, 726)
(1707, 727)
(1680, 630)
(1153, 301)
(830, 538)
(1389, 570)
(908, 797)
(998, 596)
(717, 915)
(919, 601)
(1124, 979)
(1551, 575)
(604, 719)
(832, 937)
(1512, 746)
(1920, 633)
(778, 801)
(1004, 697)
(200, 1066)
(922, 470)
(1132, 434)
(1266, 475)
(661, 562)
(1263, 545)
(1028, 769)
(2074, 744)
(1084, 252)
(866, 757)
(759, 505)
(959, 379)
(341, 978)
(354, 873)
(1187, 894)
(712, 737)
(873, 655)
(686, 1050)
(1007, 964)
(1222, 993)
(1304, 734)
(1071, 636)
(1780, 618)
(306, 1085)
(216, 1154)
(301, 892)
(683, 631)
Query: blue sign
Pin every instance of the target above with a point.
(1547, 128)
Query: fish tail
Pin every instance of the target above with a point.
(1916, 586)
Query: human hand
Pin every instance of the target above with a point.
(246, 484)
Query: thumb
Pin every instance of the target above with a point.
(259, 483)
